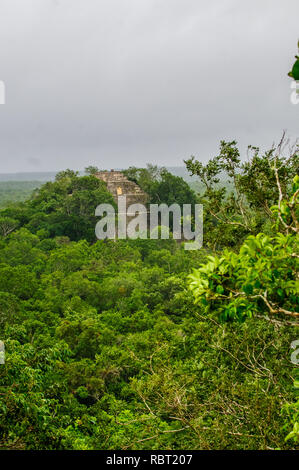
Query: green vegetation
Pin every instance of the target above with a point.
(294, 73)
(139, 344)
(162, 186)
(16, 191)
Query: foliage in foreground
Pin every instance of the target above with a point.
(260, 280)
(105, 348)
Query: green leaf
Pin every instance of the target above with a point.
(248, 289)
(219, 290)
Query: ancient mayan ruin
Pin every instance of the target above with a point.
(119, 185)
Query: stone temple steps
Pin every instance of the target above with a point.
(119, 185)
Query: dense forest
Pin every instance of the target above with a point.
(140, 344)
(16, 191)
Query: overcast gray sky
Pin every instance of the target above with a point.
(124, 82)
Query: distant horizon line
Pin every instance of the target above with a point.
(43, 176)
(82, 171)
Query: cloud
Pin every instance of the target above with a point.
(125, 82)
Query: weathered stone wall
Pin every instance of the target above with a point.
(119, 185)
